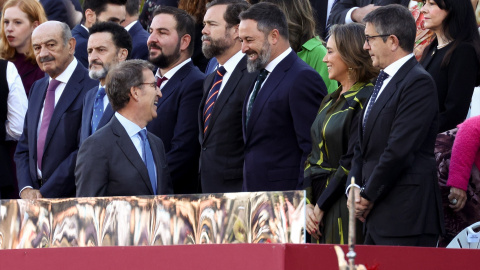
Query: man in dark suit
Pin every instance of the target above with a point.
(348, 11)
(170, 46)
(220, 113)
(108, 44)
(95, 11)
(397, 193)
(280, 107)
(136, 31)
(123, 158)
(46, 152)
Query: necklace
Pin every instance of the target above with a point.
(444, 45)
(441, 46)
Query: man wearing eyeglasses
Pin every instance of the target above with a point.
(123, 158)
(397, 194)
(170, 48)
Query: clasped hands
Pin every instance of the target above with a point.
(362, 205)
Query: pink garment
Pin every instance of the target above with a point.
(465, 152)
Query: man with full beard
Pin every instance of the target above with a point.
(280, 107)
(170, 47)
(108, 44)
(220, 113)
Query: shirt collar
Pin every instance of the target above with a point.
(271, 66)
(232, 63)
(67, 73)
(131, 128)
(172, 71)
(128, 27)
(393, 68)
(85, 27)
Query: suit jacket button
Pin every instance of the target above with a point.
(204, 149)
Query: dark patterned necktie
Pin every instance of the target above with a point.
(98, 108)
(378, 85)
(212, 97)
(260, 79)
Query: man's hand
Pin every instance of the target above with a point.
(31, 194)
(359, 13)
(362, 208)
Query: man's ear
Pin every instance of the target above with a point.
(90, 17)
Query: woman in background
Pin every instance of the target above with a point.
(19, 18)
(303, 37)
(453, 58)
(335, 132)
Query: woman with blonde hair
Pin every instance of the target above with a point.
(19, 18)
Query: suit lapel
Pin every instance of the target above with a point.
(126, 145)
(89, 107)
(270, 85)
(227, 91)
(174, 82)
(35, 109)
(206, 89)
(106, 117)
(70, 93)
(387, 93)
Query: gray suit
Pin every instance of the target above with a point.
(108, 164)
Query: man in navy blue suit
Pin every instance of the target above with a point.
(47, 150)
(96, 11)
(108, 45)
(280, 107)
(170, 46)
(136, 31)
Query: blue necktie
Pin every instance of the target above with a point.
(378, 85)
(98, 108)
(212, 97)
(261, 78)
(148, 159)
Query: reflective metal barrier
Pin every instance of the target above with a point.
(257, 217)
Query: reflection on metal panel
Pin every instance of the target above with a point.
(261, 217)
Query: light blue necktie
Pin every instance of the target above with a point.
(98, 108)
(148, 159)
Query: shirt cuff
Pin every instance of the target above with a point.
(348, 17)
(23, 189)
(348, 188)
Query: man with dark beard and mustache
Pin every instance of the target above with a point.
(108, 44)
(280, 107)
(170, 47)
(220, 113)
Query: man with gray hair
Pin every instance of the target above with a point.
(47, 150)
(397, 194)
(280, 107)
(123, 158)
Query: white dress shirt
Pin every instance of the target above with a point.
(230, 66)
(17, 104)
(170, 73)
(270, 67)
(128, 27)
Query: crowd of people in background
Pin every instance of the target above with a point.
(127, 98)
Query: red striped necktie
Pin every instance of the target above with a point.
(212, 97)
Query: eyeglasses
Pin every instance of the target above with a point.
(154, 84)
(367, 38)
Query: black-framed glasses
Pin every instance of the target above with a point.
(154, 84)
(367, 38)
